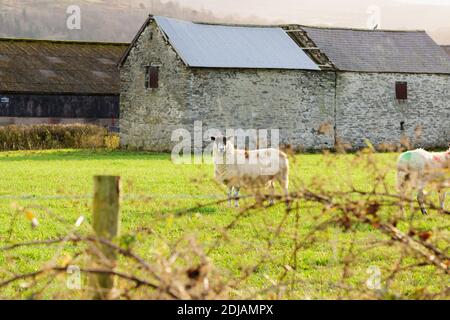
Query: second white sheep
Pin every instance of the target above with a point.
(417, 168)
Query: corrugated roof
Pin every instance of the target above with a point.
(217, 46)
(380, 51)
(42, 66)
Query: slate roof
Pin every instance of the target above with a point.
(45, 66)
(380, 51)
(447, 48)
(220, 46)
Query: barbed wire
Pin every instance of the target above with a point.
(125, 197)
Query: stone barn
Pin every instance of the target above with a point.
(317, 86)
(43, 81)
(177, 72)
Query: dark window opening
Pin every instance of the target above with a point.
(402, 126)
(401, 90)
(152, 77)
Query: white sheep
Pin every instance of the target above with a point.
(417, 168)
(250, 169)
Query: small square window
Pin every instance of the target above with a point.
(401, 90)
(152, 77)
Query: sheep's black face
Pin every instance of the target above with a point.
(220, 144)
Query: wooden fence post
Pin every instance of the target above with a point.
(106, 224)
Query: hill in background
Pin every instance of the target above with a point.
(118, 21)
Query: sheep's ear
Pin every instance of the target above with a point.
(213, 138)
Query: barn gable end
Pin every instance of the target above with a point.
(148, 116)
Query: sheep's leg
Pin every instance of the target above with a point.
(442, 195)
(230, 195)
(402, 179)
(272, 193)
(288, 199)
(236, 196)
(421, 199)
(285, 186)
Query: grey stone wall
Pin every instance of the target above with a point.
(298, 103)
(367, 108)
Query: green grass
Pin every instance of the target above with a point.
(51, 178)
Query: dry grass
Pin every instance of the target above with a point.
(41, 137)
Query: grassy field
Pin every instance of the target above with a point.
(154, 189)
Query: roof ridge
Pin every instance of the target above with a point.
(355, 29)
(66, 41)
(225, 24)
(281, 25)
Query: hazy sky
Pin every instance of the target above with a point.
(119, 20)
(417, 12)
(431, 15)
